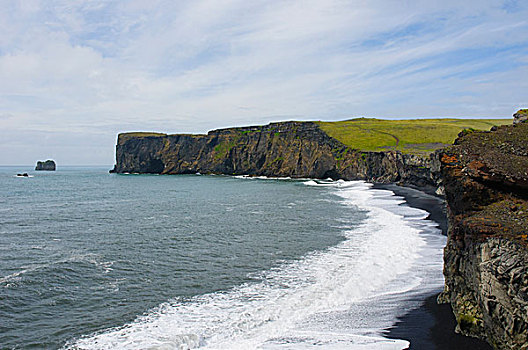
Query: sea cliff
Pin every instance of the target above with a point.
(485, 175)
(294, 149)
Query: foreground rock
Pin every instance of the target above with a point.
(521, 116)
(486, 258)
(294, 149)
(47, 165)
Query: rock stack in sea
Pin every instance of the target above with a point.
(48, 165)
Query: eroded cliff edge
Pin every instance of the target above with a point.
(294, 149)
(485, 175)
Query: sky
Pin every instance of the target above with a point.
(73, 74)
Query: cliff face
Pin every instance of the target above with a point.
(486, 258)
(295, 149)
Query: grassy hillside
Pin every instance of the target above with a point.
(408, 136)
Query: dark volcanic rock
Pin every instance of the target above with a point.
(295, 149)
(486, 258)
(47, 165)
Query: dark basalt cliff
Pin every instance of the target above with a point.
(485, 175)
(294, 149)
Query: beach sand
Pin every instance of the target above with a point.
(430, 326)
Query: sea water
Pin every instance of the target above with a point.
(91, 260)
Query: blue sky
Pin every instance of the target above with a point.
(73, 74)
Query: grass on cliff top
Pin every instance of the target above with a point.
(123, 137)
(142, 134)
(417, 136)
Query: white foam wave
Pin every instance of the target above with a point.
(253, 177)
(377, 258)
(13, 276)
(105, 266)
(326, 183)
(311, 183)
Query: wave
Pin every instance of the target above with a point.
(252, 177)
(330, 299)
(94, 259)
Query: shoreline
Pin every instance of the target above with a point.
(431, 325)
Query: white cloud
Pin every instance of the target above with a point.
(95, 68)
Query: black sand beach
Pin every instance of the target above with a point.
(431, 326)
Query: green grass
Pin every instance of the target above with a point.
(123, 137)
(278, 159)
(224, 147)
(466, 322)
(415, 136)
(250, 131)
(143, 134)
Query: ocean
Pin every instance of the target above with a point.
(92, 260)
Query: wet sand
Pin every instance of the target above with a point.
(430, 326)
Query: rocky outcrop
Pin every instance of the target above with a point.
(521, 116)
(294, 149)
(48, 165)
(485, 175)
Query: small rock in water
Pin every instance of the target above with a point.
(48, 165)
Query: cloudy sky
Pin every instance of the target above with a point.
(73, 74)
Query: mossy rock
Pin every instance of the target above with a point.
(469, 324)
(466, 322)
(522, 112)
(521, 116)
